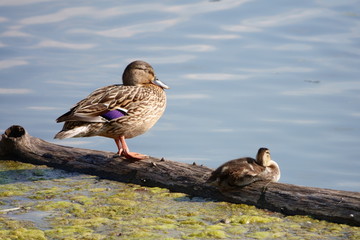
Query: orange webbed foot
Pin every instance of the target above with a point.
(134, 155)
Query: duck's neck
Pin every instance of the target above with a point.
(273, 167)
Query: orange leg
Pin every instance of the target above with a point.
(123, 150)
(119, 146)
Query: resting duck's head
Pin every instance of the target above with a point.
(263, 157)
(140, 73)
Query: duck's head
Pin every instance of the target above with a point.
(140, 73)
(263, 157)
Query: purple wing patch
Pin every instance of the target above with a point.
(114, 114)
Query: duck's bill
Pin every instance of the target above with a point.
(161, 84)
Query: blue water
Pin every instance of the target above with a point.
(243, 75)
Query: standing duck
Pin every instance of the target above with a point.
(243, 171)
(119, 111)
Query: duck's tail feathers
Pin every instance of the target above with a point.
(75, 132)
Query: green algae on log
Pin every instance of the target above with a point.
(55, 204)
(325, 204)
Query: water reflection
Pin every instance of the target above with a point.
(243, 75)
(12, 91)
(332, 88)
(12, 62)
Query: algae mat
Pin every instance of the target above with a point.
(38, 202)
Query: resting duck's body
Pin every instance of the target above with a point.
(119, 111)
(243, 171)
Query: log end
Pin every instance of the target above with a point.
(15, 131)
(11, 135)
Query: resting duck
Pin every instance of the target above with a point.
(119, 111)
(243, 171)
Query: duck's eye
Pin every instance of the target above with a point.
(143, 69)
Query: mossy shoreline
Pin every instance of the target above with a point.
(38, 202)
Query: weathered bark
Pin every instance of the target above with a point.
(326, 204)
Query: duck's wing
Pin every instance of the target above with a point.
(224, 170)
(245, 175)
(243, 172)
(233, 171)
(96, 106)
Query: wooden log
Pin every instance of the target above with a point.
(325, 204)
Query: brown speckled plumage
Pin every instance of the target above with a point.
(142, 96)
(243, 171)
